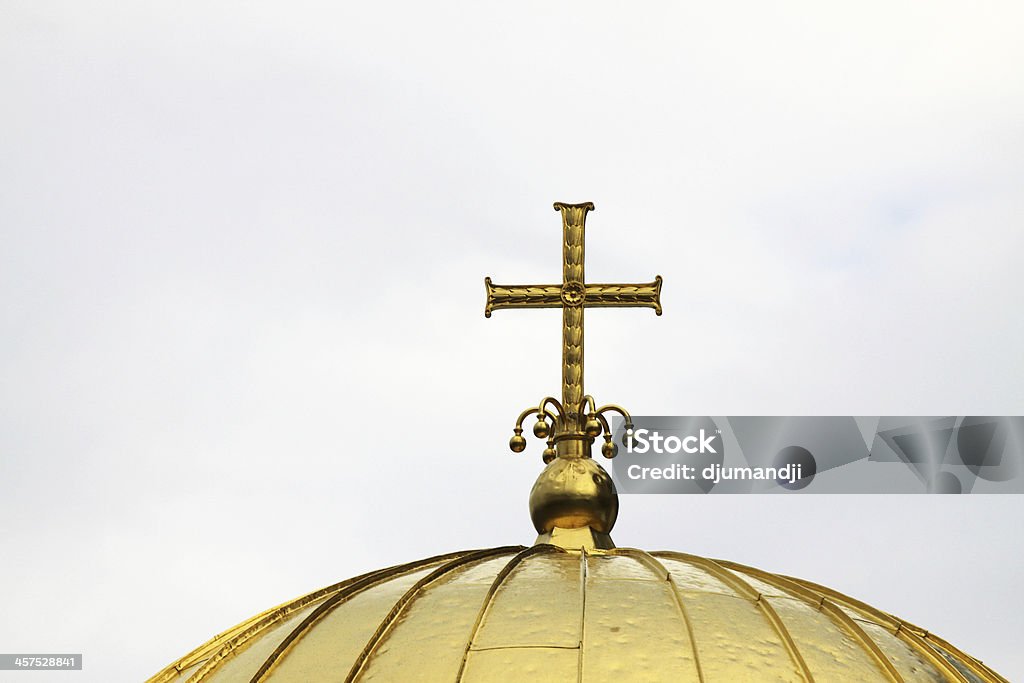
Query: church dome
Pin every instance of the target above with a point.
(545, 613)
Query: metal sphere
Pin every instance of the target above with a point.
(592, 427)
(517, 443)
(549, 455)
(609, 450)
(572, 493)
(540, 429)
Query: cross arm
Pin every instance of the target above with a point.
(647, 295)
(521, 296)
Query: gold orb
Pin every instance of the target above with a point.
(540, 429)
(549, 455)
(592, 427)
(517, 443)
(572, 493)
(609, 450)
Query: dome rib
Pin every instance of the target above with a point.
(489, 596)
(662, 571)
(820, 602)
(411, 594)
(583, 614)
(754, 595)
(914, 636)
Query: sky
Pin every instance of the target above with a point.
(242, 345)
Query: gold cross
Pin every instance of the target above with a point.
(572, 296)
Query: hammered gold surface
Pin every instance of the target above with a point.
(548, 614)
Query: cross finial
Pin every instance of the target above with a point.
(573, 295)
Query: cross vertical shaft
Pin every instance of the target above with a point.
(574, 217)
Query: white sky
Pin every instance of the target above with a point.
(242, 345)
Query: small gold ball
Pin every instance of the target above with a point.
(549, 455)
(517, 443)
(592, 427)
(627, 438)
(540, 430)
(609, 450)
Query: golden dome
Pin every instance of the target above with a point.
(548, 614)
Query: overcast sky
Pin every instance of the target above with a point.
(242, 345)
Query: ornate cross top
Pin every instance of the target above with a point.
(573, 421)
